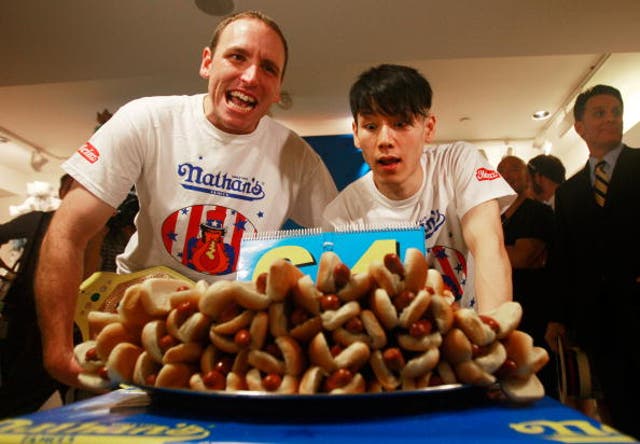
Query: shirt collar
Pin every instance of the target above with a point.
(611, 157)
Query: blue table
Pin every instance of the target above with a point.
(96, 421)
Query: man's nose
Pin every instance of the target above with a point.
(385, 136)
(250, 73)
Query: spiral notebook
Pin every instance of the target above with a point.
(356, 246)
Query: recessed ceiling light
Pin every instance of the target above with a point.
(215, 7)
(540, 115)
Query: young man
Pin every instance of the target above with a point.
(547, 173)
(199, 163)
(449, 189)
(594, 293)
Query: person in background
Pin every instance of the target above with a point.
(450, 189)
(25, 385)
(528, 228)
(596, 287)
(207, 168)
(547, 173)
(120, 228)
(112, 241)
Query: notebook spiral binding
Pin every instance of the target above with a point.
(349, 228)
(281, 234)
(395, 226)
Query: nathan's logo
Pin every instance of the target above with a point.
(220, 183)
(89, 152)
(432, 223)
(486, 174)
(571, 431)
(96, 432)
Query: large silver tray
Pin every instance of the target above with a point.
(252, 405)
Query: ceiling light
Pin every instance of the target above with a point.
(215, 7)
(540, 115)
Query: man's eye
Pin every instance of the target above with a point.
(369, 126)
(271, 69)
(238, 57)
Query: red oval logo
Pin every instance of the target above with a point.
(486, 174)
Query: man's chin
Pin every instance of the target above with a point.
(238, 125)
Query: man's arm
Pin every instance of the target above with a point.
(59, 275)
(482, 232)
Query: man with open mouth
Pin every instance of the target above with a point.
(215, 158)
(449, 189)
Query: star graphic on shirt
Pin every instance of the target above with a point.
(441, 253)
(260, 214)
(184, 211)
(172, 236)
(241, 225)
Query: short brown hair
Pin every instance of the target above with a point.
(581, 100)
(255, 15)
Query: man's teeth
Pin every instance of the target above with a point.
(242, 99)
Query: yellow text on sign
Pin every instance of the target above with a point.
(300, 256)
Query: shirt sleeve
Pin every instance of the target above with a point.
(109, 163)
(475, 180)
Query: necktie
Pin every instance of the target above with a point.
(601, 183)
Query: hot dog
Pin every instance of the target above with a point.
(122, 361)
(391, 328)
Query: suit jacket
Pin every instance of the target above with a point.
(596, 258)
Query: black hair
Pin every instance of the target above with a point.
(581, 100)
(391, 90)
(548, 166)
(125, 213)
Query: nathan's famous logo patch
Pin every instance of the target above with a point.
(486, 174)
(220, 183)
(89, 152)
(206, 238)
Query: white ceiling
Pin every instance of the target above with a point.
(491, 63)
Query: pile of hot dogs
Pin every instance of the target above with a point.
(394, 327)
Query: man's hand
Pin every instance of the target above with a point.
(554, 330)
(64, 368)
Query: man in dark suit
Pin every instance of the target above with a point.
(596, 262)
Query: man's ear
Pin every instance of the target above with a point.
(356, 139)
(278, 95)
(205, 64)
(430, 128)
(579, 127)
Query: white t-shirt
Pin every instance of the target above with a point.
(456, 178)
(200, 189)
